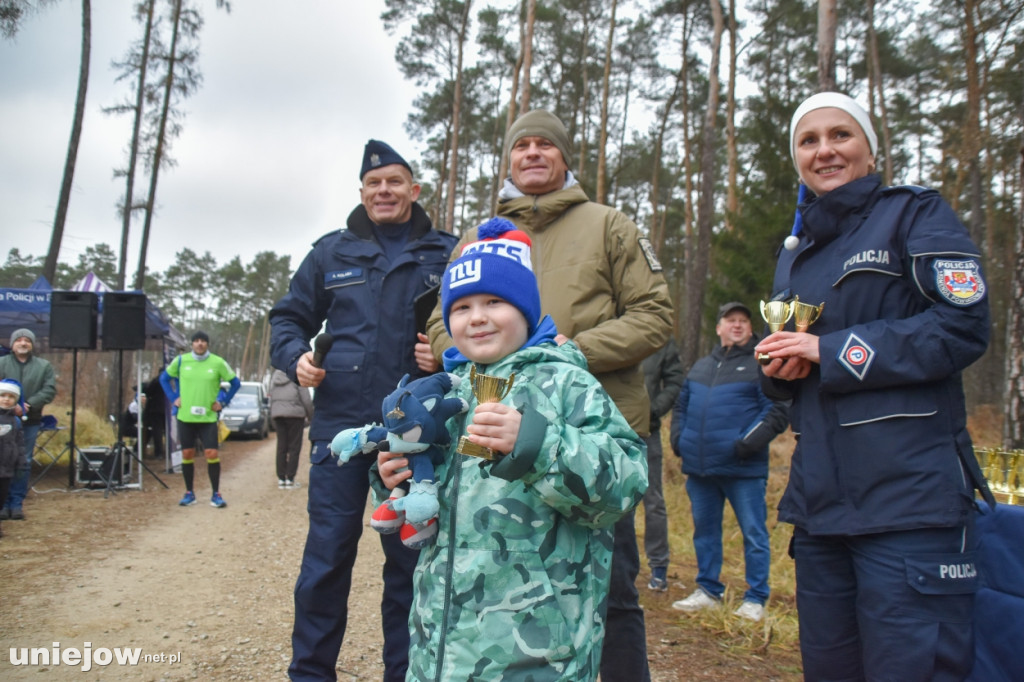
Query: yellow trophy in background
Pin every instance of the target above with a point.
(486, 389)
(776, 314)
(1015, 477)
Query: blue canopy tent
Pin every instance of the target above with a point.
(30, 308)
(25, 309)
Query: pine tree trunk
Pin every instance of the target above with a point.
(1013, 392)
(50, 264)
(525, 30)
(133, 154)
(581, 168)
(826, 45)
(453, 168)
(876, 84)
(601, 193)
(140, 274)
(531, 15)
(697, 270)
(731, 197)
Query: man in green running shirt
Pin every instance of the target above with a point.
(192, 383)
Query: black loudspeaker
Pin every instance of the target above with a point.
(73, 319)
(97, 467)
(124, 321)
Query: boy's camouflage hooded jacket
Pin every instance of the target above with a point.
(515, 585)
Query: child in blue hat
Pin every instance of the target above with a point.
(12, 439)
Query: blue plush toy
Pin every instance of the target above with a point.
(414, 418)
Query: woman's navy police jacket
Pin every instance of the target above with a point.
(880, 422)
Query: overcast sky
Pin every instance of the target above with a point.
(270, 153)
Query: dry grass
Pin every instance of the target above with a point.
(779, 628)
(986, 426)
(91, 430)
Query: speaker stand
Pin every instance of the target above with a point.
(120, 448)
(71, 448)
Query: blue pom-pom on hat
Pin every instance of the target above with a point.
(497, 264)
(793, 240)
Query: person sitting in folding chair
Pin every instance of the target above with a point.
(41, 454)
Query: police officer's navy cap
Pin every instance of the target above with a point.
(727, 308)
(377, 154)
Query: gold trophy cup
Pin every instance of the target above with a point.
(1015, 477)
(776, 314)
(486, 389)
(805, 314)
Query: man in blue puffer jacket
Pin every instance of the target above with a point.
(721, 428)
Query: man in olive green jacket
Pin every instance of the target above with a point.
(39, 388)
(602, 285)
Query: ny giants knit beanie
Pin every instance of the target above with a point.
(497, 264)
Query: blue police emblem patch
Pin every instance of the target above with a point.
(856, 356)
(959, 281)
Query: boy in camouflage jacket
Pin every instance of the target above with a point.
(515, 586)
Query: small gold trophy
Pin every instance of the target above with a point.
(776, 314)
(805, 314)
(487, 389)
(1015, 477)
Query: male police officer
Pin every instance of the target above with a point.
(363, 281)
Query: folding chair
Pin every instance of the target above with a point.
(43, 455)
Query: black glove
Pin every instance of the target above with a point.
(744, 450)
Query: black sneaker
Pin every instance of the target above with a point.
(659, 579)
(658, 584)
(17, 515)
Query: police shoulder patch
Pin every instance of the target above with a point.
(959, 281)
(648, 250)
(856, 356)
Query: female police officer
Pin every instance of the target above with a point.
(882, 479)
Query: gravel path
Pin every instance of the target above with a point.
(203, 593)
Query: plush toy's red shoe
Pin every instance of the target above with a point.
(385, 520)
(419, 536)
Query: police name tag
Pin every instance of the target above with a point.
(198, 411)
